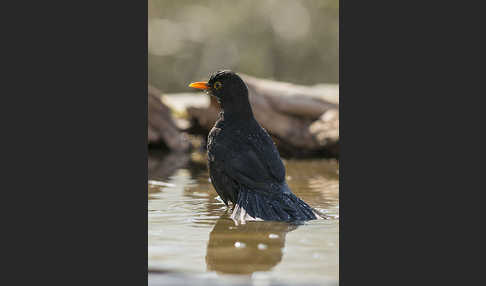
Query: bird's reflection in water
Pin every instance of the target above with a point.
(244, 249)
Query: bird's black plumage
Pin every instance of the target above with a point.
(244, 165)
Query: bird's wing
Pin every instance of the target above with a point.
(247, 169)
(252, 161)
(224, 185)
(253, 170)
(259, 163)
(270, 156)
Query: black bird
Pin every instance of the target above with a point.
(244, 164)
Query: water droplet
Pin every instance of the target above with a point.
(262, 246)
(273, 235)
(239, 244)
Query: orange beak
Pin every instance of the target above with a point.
(199, 85)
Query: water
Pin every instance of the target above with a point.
(190, 233)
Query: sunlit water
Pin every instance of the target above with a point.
(189, 230)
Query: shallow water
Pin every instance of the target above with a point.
(190, 232)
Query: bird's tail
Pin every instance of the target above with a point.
(254, 205)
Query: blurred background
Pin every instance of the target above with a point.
(286, 40)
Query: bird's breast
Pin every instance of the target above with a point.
(216, 147)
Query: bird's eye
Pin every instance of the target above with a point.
(217, 85)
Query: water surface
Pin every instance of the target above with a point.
(190, 232)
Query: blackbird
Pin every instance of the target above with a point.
(244, 164)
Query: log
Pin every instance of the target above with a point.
(326, 130)
(163, 165)
(292, 99)
(161, 126)
(303, 120)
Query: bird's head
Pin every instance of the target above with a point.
(225, 85)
